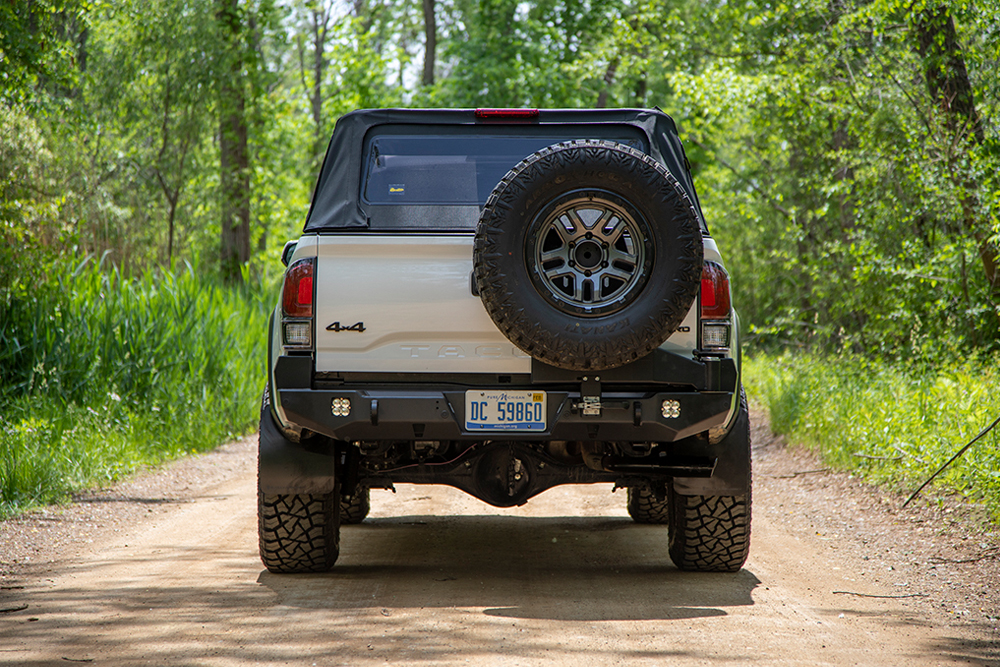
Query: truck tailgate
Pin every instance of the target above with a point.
(403, 303)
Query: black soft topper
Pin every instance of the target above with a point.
(340, 204)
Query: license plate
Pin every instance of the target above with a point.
(505, 410)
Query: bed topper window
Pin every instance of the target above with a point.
(460, 165)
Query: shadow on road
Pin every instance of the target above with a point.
(555, 568)
(970, 651)
(445, 590)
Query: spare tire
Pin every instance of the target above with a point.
(588, 255)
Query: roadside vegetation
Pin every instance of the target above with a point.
(891, 424)
(846, 154)
(103, 374)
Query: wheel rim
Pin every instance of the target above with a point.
(589, 253)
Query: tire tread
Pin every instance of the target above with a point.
(710, 533)
(643, 507)
(354, 509)
(297, 533)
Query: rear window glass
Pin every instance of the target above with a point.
(460, 165)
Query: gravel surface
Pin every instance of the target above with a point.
(946, 555)
(41, 542)
(162, 569)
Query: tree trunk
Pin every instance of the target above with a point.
(364, 11)
(949, 86)
(609, 79)
(319, 27)
(170, 230)
(640, 90)
(945, 71)
(430, 42)
(320, 23)
(844, 172)
(234, 160)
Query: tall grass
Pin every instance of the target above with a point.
(889, 424)
(100, 374)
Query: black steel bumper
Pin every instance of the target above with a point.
(631, 403)
(385, 413)
(401, 409)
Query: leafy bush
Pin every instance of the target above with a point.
(100, 374)
(890, 424)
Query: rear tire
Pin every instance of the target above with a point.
(643, 507)
(298, 533)
(709, 533)
(354, 509)
(295, 532)
(712, 533)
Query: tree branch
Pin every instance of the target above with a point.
(773, 204)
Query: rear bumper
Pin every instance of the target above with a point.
(631, 407)
(403, 411)
(388, 413)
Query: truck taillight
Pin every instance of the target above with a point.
(297, 299)
(714, 292)
(715, 307)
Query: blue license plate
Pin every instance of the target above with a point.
(504, 410)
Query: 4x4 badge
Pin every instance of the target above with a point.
(359, 327)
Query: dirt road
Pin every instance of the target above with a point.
(154, 573)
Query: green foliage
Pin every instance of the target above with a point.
(100, 374)
(819, 145)
(506, 53)
(153, 66)
(37, 48)
(889, 424)
(280, 182)
(815, 136)
(851, 180)
(28, 218)
(361, 78)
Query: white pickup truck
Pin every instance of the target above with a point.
(505, 300)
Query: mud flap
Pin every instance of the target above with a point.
(732, 472)
(286, 467)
